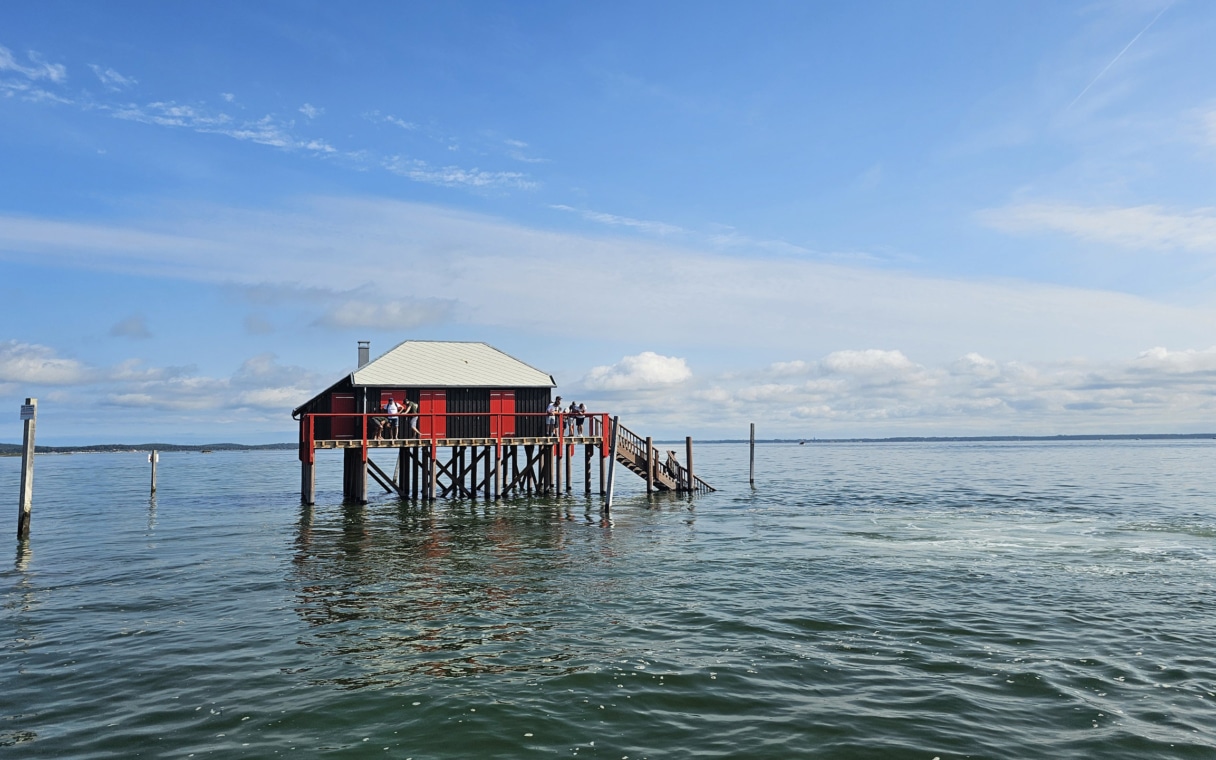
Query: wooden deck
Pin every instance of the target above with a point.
(414, 443)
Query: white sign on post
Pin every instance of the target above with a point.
(27, 411)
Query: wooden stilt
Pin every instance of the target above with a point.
(692, 480)
(497, 470)
(649, 465)
(431, 475)
(403, 472)
(588, 449)
(603, 484)
(415, 473)
(569, 456)
(489, 470)
(308, 483)
(528, 472)
(557, 469)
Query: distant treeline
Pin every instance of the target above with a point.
(976, 438)
(14, 449)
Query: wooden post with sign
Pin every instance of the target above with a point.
(154, 457)
(29, 414)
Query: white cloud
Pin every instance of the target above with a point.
(111, 79)
(645, 370)
(1156, 391)
(516, 279)
(34, 364)
(1138, 227)
(1188, 361)
(38, 68)
(311, 111)
(871, 361)
(385, 315)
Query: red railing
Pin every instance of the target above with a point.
(562, 422)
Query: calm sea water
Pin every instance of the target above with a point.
(864, 601)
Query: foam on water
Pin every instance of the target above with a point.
(905, 600)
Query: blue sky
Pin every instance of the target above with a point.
(830, 219)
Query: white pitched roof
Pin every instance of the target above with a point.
(437, 364)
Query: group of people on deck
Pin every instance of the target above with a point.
(575, 416)
(388, 426)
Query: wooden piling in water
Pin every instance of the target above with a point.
(751, 468)
(692, 480)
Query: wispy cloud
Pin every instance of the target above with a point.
(265, 131)
(270, 129)
(37, 69)
(456, 176)
(511, 279)
(643, 225)
(1140, 227)
(516, 150)
(111, 79)
(378, 118)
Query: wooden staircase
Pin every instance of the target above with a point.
(667, 474)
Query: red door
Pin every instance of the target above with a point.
(502, 409)
(343, 427)
(433, 403)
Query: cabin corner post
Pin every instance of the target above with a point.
(308, 458)
(308, 484)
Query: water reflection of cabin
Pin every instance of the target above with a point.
(483, 409)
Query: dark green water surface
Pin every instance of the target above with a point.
(1010, 600)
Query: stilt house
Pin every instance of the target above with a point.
(481, 429)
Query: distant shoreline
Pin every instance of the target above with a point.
(14, 449)
(978, 438)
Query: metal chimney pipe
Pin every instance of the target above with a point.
(365, 352)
